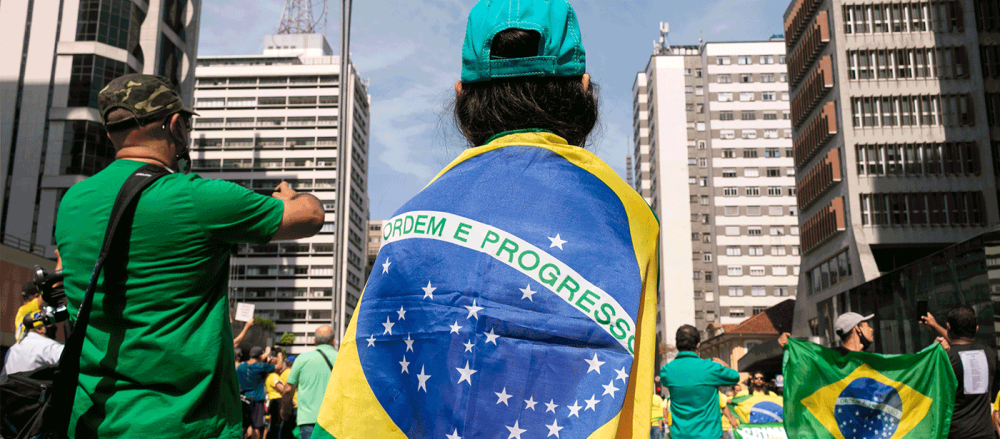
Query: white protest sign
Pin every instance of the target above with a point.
(244, 312)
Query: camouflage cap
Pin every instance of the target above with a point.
(147, 97)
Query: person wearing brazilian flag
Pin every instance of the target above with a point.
(846, 393)
(514, 296)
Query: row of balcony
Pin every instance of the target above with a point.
(823, 225)
(820, 178)
(820, 83)
(816, 133)
(798, 16)
(815, 39)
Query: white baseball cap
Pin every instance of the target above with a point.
(848, 320)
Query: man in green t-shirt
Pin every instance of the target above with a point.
(309, 376)
(156, 360)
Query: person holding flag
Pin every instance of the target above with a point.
(847, 393)
(514, 296)
(760, 406)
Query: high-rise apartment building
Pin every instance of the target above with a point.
(374, 244)
(896, 122)
(59, 54)
(275, 117)
(714, 119)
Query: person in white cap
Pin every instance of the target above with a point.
(855, 333)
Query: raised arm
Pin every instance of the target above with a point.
(303, 215)
(242, 334)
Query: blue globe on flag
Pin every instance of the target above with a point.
(867, 408)
(766, 412)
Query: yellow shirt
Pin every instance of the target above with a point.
(656, 414)
(269, 385)
(284, 379)
(26, 309)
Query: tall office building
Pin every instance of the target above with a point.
(276, 117)
(896, 121)
(60, 54)
(713, 119)
(374, 244)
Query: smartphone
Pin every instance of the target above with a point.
(921, 310)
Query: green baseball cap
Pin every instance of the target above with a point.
(148, 97)
(560, 51)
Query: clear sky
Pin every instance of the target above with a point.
(411, 53)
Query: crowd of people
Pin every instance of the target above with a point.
(700, 390)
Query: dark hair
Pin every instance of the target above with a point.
(561, 105)
(962, 321)
(239, 355)
(688, 338)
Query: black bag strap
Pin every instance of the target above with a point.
(328, 363)
(64, 389)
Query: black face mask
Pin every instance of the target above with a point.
(183, 156)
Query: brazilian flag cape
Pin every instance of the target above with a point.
(758, 408)
(514, 295)
(864, 395)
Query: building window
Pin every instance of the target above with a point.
(767, 77)
(774, 191)
(696, 275)
(737, 312)
(755, 250)
(779, 270)
(707, 257)
(735, 270)
(699, 91)
(725, 115)
(746, 78)
(708, 276)
(755, 231)
(704, 200)
(732, 210)
(746, 96)
(728, 153)
(749, 134)
(758, 291)
(729, 191)
(112, 22)
(780, 291)
(723, 61)
(777, 231)
(767, 96)
(736, 291)
(697, 73)
(703, 182)
(770, 115)
(751, 172)
(689, 89)
(753, 191)
(757, 270)
(748, 115)
(772, 153)
(724, 79)
(86, 148)
(773, 172)
(733, 250)
(778, 250)
(775, 210)
(726, 96)
(727, 134)
(750, 153)
(753, 210)
(767, 59)
(729, 173)
(732, 230)
(695, 236)
(89, 74)
(744, 60)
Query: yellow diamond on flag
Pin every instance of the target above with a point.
(866, 404)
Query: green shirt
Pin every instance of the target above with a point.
(158, 362)
(694, 395)
(310, 373)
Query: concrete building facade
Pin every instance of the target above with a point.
(896, 120)
(60, 54)
(732, 231)
(276, 117)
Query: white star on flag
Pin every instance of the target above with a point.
(453, 435)
(527, 293)
(455, 327)
(402, 313)
(554, 429)
(468, 346)
(530, 403)
(473, 310)
(515, 431)
(551, 406)
(574, 410)
(371, 340)
(466, 373)
(422, 377)
(388, 326)
(557, 242)
(502, 396)
(595, 364)
(610, 388)
(428, 291)
(409, 343)
(491, 337)
(385, 266)
(405, 364)
(592, 403)
(622, 375)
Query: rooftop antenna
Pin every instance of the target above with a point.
(663, 46)
(297, 17)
